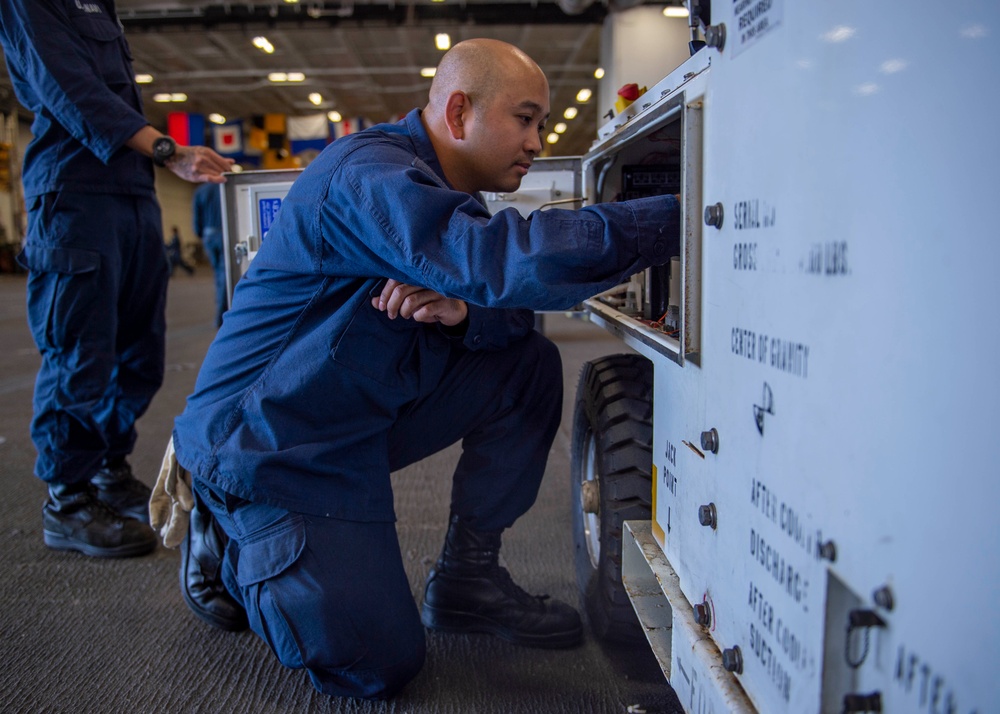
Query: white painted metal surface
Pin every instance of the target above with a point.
(551, 183)
(847, 351)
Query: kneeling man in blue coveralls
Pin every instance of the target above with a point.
(384, 319)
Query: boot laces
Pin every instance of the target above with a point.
(99, 510)
(503, 580)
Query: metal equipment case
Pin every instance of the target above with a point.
(823, 534)
(250, 203)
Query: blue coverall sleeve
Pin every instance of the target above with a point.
(419, 231)
(491, 329)
(61, 69)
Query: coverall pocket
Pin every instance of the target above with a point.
(62, 291)
(107, 43)
(379, 348)
(263, 560)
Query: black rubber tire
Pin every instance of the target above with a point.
(614, 410)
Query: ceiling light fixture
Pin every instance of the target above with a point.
(279, 77)
(144, 79)
(262, 44)
(442, 41)
(175, 97)
(674, 11)
(560, 127)
(570, 113)
(216, 118)
(583, 96)
(552, 138)
(428, 71)
(599, 73)
(334, 116)
(316, 98)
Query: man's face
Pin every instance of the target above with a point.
(506, 135)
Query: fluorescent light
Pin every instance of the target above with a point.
(599, 73)
(560, 127)
(552, 138)
(316, 98)
(178, 97)
(674, 11)
(161, 97)
(570, 113)
(286, 77)
(291, 2)
(334, 116)
(262, 44)
(442, 41)
(583, 96)
(144, 79)
(428, 71)
(216, 118)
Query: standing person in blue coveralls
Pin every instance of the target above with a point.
(208, 227)
(97, 270)
(383, 319)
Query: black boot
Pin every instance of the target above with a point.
(469, 591)
(201, 573)
(75, 519)
(118, 488)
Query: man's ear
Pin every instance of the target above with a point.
(456, 111)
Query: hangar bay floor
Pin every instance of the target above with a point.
(84, 635)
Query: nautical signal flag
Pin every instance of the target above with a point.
(308, 132)
(186, 129)
(228, 138)
(350, 126)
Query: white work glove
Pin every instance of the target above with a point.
(171, 503)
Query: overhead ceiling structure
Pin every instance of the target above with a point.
(363, 58)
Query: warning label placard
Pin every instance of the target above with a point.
(752, 19)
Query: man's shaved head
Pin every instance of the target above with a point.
(485, 115)
(480, 68)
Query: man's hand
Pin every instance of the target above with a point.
(420, 304)
(192, 163)
(198, 164)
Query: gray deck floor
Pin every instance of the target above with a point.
(83, 635)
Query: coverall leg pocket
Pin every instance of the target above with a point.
(265, 559)
(332, 597)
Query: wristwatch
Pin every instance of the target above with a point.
(163, 148)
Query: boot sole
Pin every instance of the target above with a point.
(463, 622)
(57, 541)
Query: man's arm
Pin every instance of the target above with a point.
(60, 68)
(191, 163)
(50, 55)
(480, 328)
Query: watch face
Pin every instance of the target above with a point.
(163, 148)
